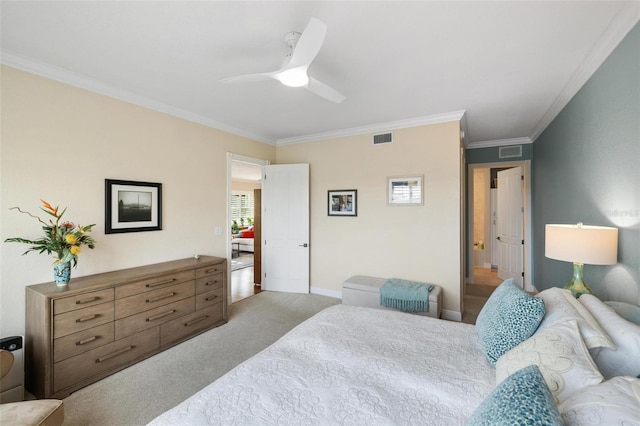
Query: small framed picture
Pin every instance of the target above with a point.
(132, 206)
(343, 202)
(405, 190)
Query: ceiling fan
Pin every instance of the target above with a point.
(293, 73)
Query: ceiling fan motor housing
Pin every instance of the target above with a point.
(291, 39)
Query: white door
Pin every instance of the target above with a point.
(494, 228)
(285, 228)
(510, 224)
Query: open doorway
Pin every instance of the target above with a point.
(483, 251)
(244, 226)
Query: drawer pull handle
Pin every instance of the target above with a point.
(210, 271)
(87, 340)
(165, 296)
(161, 283)
(89, 318)
(195, 321)
(162, 315)
(211, 282)
(114, 354)
(209, 299)
(82, 302)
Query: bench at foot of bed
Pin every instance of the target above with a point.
(361, 290)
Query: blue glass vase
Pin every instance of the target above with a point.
(62, 273)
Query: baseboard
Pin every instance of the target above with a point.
(326, 292)
(451, 315)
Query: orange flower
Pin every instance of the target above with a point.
(49, 207)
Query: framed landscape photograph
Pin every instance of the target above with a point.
(405, 190)
(132, 206)
(343, 202)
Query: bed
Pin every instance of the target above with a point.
(357, 365)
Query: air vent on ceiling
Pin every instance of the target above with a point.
(510, 151)
(383, 138)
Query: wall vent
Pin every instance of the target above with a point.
(510, 151)
(382, 138)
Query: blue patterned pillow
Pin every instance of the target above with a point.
(509, 317)
(523, 398)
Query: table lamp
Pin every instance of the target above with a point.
(580, 244)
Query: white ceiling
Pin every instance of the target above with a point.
(510, 66)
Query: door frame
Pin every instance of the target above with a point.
(231, 157)
(528, 224)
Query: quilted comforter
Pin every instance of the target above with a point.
(351, 365)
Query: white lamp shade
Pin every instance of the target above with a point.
(592, 245)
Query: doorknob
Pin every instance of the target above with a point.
(304, 245)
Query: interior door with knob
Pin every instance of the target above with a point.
(285, 228)
(510, 225)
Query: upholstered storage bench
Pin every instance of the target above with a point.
(361, 290)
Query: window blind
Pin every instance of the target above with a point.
(241, 206)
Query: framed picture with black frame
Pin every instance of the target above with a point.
(343, 202)
(132, 206)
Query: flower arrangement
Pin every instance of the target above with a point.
(62, 239)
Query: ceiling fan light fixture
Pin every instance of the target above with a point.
(295, 77)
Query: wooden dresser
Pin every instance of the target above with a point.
(99, 324)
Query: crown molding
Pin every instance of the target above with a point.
(499, 142)
(64, 76)
(375, 128)
(618, 28)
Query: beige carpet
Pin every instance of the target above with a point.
(138, 394)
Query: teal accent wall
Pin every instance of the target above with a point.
(586, 168)
(490, 155)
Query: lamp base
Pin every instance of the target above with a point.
(576, 285)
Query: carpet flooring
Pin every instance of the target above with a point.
(140, 393)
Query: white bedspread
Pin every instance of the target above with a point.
(351, 365)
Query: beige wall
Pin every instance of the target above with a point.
(411, 242)
(59, 143)
(244, 186)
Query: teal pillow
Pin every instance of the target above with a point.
(509, 317)
(523, 398)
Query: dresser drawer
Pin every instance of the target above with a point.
(80, 301)
(208, 299)
(209, 282)
(82, 319)
(181, 328)
(82, 341)
(153, 283)
(152, 299)
(209, 270)
(153, 317)
(116, 354)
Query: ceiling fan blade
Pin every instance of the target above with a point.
(321, 89)
(250, 77)
(309, 44)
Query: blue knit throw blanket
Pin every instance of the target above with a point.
(405, 296)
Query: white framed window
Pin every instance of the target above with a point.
(241, 206)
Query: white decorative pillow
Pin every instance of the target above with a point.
(562, 306)
(616, 401)
(561, 355)
(625, 359)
